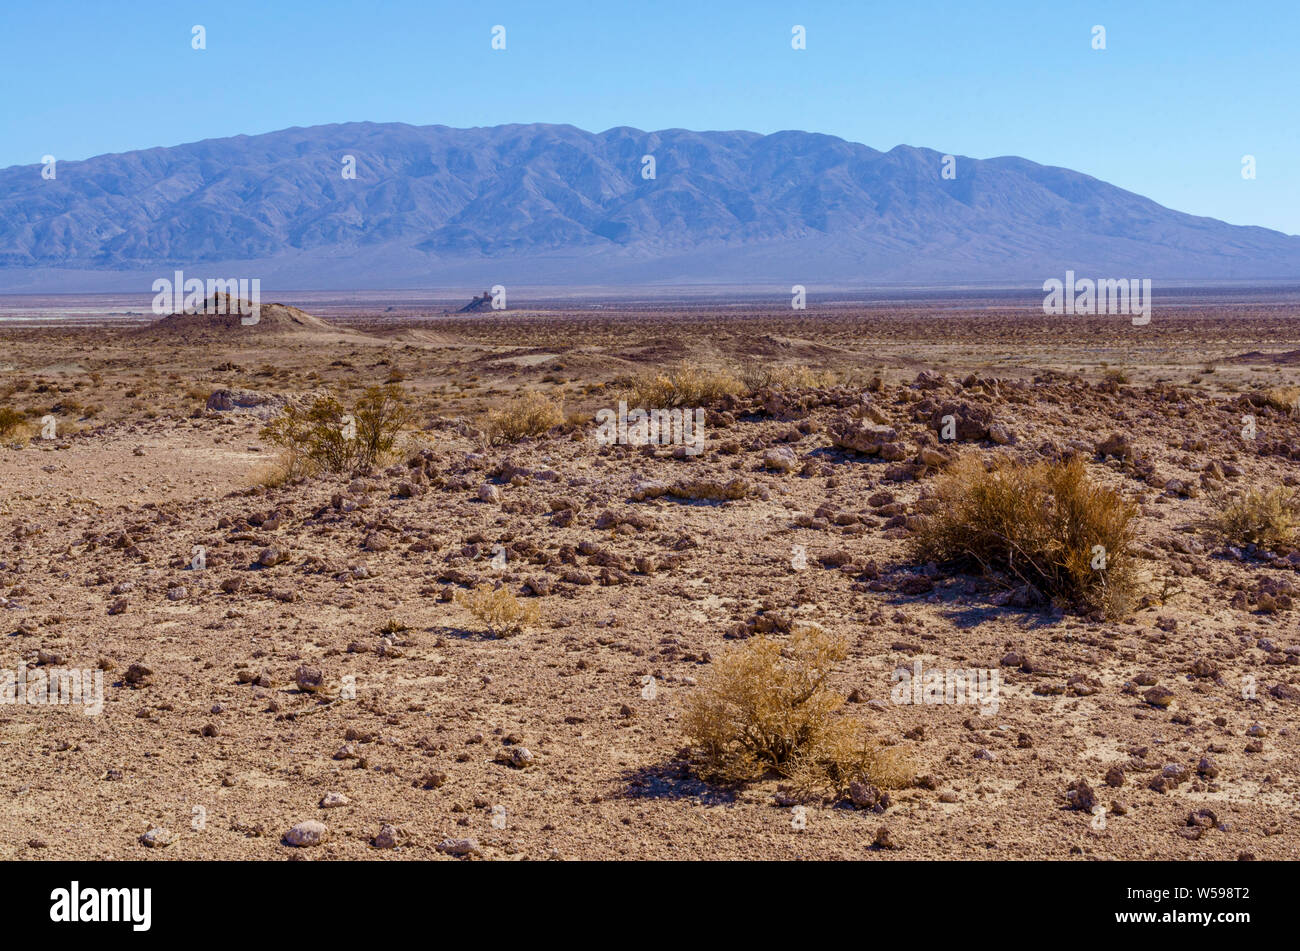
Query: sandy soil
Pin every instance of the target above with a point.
(98, 526)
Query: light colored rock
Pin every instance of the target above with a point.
(307, 834)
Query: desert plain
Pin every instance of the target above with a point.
(320, 667)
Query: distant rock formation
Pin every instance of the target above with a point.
(476, 303)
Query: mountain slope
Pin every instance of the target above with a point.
(555, 204)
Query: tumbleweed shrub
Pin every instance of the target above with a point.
(766, 707)
(1269, 518)
(684, 385)
(324, 437)
(501, 612)
(770, 375)
(12, 422)
(1046, 524)
(529, 414)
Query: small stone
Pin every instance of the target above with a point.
(1159, 697)
(309, 679)
(459, 847)
(332, 800)
(270, 557)
(1115, 776)
(433, 779)
(387, 837)
(517, 757)
(884, 840)
(157, 838)
(780, 459)
(307, 834)
(864, 795)
(1080, 796)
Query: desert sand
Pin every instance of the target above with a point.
(412, 716)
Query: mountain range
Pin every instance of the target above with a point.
(432, 206)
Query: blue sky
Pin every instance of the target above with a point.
(1182, 92)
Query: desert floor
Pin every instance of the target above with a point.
(107, 513)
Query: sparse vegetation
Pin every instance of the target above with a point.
(765, 708)
(1284, 399)
(1047, 525)
(763, 376)
(530, 414)
(1266, 517)
(11, 422)
(324, 437)
(682, 386)
(503, 613)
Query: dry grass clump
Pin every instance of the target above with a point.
(765, 707)
(12, 422)
(1269, 518)
(530, 414)
(683, 385)
(280, 471)
(503, 613)
(765, 376)
(325, 437)
(1047, 524)
(1284, 399)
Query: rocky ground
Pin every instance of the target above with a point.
(317, 670)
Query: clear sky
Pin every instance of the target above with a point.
(1181, 93)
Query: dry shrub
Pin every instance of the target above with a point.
(321, 437)
(1039, 523)
(12, 422)
(765, 376)
(765, 708)
(1284, 399)
(683, 385)
(531, 414)
(1266, 517)
(276, 473)
(503, 613)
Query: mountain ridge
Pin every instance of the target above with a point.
(553, 204)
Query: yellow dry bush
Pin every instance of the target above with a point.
(530, 414)
(764, 376)
(503, 613)
(1284, 399)
(280, 471)
(12, 422)
(1047, 524)
(683, 385)
(1265, 517)
(765, 707)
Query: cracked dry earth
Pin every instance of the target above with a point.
(639, 570)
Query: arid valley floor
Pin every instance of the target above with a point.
(212, 739)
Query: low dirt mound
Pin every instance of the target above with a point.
(225, 317)
(1284, 358)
